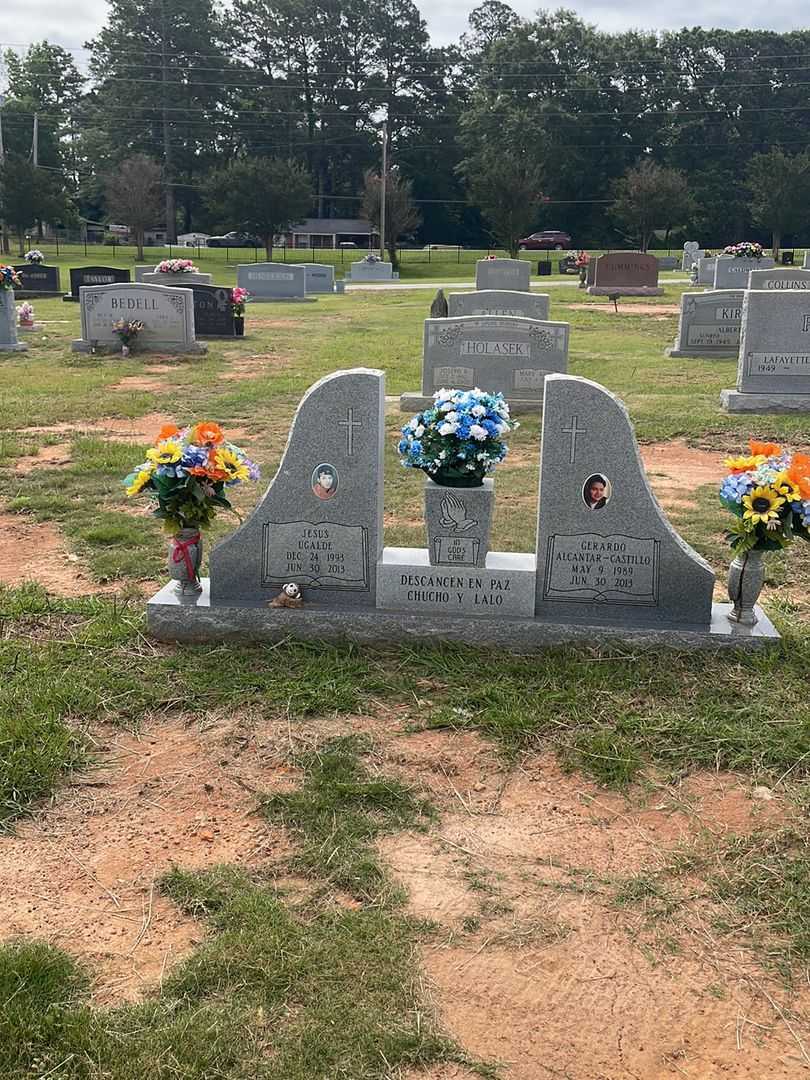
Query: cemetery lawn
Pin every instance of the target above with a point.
(300, 862)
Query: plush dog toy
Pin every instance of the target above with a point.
(290, 596)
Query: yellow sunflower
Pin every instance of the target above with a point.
(165, 453)
(786, 488)
(743, 464)
(229, 463)
(139, 483)
(762, 505)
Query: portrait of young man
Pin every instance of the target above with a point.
(324, 481)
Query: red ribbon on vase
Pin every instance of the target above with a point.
(180, 553)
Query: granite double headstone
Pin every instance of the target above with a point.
(794, 280)
(709, 324)
(732, 273)
(179, 281)
(38, 280)
(213, 311)
(167, 315)
(94, 275)
(272, 281)
(371, 271)
(512, 275)
(625, 273)
(527, 305)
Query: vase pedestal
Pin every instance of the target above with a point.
(459, 522)
(746, 576)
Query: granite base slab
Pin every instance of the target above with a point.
(16, 347)
(701, 354)
(190, 618)
(628, 290)
(503, 587)
(284, 299)
(734, 401)
(108, 348)
(413, 403)
(69, 298)
(35, 328)
(35, 294)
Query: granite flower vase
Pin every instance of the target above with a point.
(125, 350)
(239, 326)
(459, 520)
(746, 576)
(185, 559)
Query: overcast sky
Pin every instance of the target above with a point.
(72, 23)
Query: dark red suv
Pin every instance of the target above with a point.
(549, 239)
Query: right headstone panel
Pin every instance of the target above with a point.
(606, 553)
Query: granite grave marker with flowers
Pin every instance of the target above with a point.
(180, 272)
(37, 279)
(309, 562)
(219, 311)
(735, 263)
(9, 280)
(166, 315)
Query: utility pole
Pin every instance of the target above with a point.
(35, 142)
(383, 188)
(171, 222)
(4, 244)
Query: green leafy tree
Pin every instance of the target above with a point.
(506, 185)
(133, 195)
(29, 195)
(260, 195)
(650, 197)
(779, 184)
(401, 215)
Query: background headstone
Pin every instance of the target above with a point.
(705, 270)
(692, 251)
(329, 546)
(38, 280)
(272, 281)
(140, 270)
(627, 273)
(732, 273)
(94, 275)
(8, 323)
(806, 263)
(527, 305)
(667, 262)
(439, 309)
(513, 275)
(319, 277)
(167, 315)
(775, 280)
(709, 324)
(213, 314)
(622, 564)
(180, 281)
(373, 271)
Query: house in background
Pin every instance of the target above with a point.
(331, 233)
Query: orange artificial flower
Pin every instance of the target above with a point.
(207, 432)
(768, 449)
(799, 473)
(168, 431)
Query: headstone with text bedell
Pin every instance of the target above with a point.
(319, 277)
(779, 280)
(38, 280)
(709, 324)
(94, 275)
(213, 312)
(499, 353)
(320, 521)
(270, 281)
(732, 273)
(167, 316)
(625, 273)
(513, 275)
(773, 374)
(618, 561)
(527, 305)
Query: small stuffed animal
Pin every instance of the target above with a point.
(290, 596)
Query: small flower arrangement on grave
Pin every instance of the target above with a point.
(459, 439)
(176, 266)
(9, 278)
(187, 471)
(127, 330)
(582, 259)
(370, 258)
(34, 256)
(744, 250)
(768, 491)
(25, 314)
(239, 298)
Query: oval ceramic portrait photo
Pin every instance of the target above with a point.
(596, 491)
(324, 481)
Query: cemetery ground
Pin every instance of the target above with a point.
(308, 862)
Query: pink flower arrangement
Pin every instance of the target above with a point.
(239, 297)
(176, 266)
(25, 313)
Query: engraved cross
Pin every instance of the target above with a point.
(573, 431)
(350, 424)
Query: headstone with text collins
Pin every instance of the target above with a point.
(709, 324)
(272, 281)
(773, 375)
(167, 315)
(777, 280)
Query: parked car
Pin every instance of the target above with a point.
(547, 240)
(234, 239)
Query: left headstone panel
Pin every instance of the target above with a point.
(319, 523)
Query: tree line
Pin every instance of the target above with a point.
(265, 111)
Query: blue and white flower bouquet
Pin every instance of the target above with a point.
(459, 439)
(34, 256)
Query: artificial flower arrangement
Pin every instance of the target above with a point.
(127, 330)
(188, 471)
(176, 266)
(370, 258)
(768, 491)
(744, 250)
(582, 259)
(34, 256)
(239, 297)
(9, 278)
(459, 439)
(25, 313)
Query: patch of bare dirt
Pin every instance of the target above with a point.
(119, 428)
(440, 1072)
(676, 470)
(536, 966)
(628, 309)
(140, 382)
(32, 551)
(82, 875)
(251, 367)
(273, 324)
(56, 456)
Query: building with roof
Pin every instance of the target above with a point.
(331, 233)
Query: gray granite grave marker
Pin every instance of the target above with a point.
(625, 273)
(8, 323)
(667, 262)
(167, 315)
(775, 280)
(527, 305)
(38, 280)
(512, 275)
(272, 281)
(709, 324)
(318, 277)
(620, 562)
(180, 281)
(692, 251)
(774, 366)
(371, 271)
(319, 523)
(732, 273)
(705, 270)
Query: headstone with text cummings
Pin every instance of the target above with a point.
(606, 553)
(267, 282)
(319, 523)
(709, 324)
(773, 374)
(514, 275)
(625, 273)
